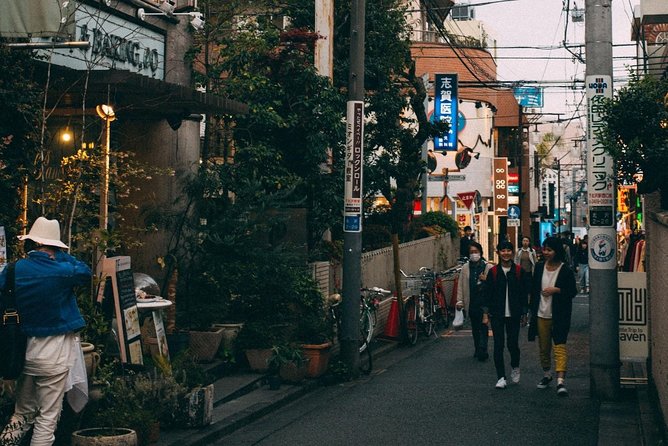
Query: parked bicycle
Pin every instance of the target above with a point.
(369, 300)
(421, 307)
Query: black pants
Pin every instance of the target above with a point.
(503, 326)
(479, 330)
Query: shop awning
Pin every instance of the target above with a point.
(132, 95)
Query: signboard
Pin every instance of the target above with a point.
(115, 43)
(448, 177)
(500, 186)
(116, 272)
(600, 179)
(513, 212)
(467, 198)
(531, 97)
(446, 104)
(513, 222)
(633, 329)
(352, 205)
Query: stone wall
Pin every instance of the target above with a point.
(657, 283)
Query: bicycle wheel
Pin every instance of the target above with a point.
(428, 316)
(366, 328)
(411, 320)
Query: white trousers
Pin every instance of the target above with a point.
(39, 402)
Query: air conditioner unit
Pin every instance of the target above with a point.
(463, 12)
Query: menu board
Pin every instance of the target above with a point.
(125, 307)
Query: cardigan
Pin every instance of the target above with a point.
(562, 303)
(463, 288)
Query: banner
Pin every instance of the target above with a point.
(633, 329)
(37, 18)
(354, 160)
(500, 186)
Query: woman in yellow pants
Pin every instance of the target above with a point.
(552, 291)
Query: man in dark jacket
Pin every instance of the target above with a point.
(506, 306)
(465, 241)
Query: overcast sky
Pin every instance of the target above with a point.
(542, 23)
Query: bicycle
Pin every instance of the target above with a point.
(420, 306)
(369, 300)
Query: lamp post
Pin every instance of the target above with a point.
(106, 113)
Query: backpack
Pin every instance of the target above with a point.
(518, 272)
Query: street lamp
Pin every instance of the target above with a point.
(106, 113)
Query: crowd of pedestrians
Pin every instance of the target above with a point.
(524, 287)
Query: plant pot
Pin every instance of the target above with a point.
(91, 359)
(292, 372)
(204, 344)
(230, 332)
(258, 358)
(104, 436)
(318, 358)
(197, 406)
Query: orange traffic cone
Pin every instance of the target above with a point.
(392, 325)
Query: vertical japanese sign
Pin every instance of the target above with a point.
(600, 180)
(445, 109)
(633, 330)
(500, 186)
(352, 206)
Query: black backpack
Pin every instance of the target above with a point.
(12, 340)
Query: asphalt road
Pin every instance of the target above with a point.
(437, 394)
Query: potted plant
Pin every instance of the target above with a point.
(256, 339)
(195, 408)
(289, 362)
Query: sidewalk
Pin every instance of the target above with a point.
(245, 398)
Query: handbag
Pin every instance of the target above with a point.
(12, 340)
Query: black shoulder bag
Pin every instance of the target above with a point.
(12, 340)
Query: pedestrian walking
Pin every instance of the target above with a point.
(526, 256)
(581, 262)
(465, 241)
(506, 307)
(471, 299)
(44, 290)
(552, 292)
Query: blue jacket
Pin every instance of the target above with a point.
(44, 293)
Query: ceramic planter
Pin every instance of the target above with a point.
(91, 359)
(292, 372)
(318, 358)
(258, 358)
(204, 344)
(230, 332)
(104, 436)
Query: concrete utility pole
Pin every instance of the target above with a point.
(603, 300)
(353, 199)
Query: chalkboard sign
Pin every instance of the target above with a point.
(600, 216)
(125, 307)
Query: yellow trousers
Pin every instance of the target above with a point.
(545, 347)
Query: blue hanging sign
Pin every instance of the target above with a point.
(531, 97)
(446, 107)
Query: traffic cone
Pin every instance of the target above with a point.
(392, 325)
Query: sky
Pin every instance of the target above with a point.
(542, 23)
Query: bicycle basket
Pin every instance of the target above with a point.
(410, 286)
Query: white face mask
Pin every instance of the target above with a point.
(474, 257)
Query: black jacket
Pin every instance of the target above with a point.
(562, 303)
(495, 291)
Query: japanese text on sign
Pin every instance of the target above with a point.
(600, 182)
(352, 210)
(445, 109)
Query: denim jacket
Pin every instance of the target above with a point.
(44, 293)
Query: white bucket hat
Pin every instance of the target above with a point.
(45, 232)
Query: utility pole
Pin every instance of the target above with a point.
(604, 361)
(353, 199)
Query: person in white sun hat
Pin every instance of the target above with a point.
(44, 290)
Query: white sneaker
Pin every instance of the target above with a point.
(501, 383)
(515, 375)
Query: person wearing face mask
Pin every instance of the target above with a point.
(470, 298)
